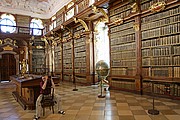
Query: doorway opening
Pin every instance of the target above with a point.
(101, 43)
(7, 66)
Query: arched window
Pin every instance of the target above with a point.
(7, 23)
(36, 26)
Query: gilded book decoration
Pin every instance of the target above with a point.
(7, 48)
(158, 6)
(134, 7)
(8, 44)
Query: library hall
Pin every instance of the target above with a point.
(89, 59)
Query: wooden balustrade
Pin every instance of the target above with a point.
(23, 30)
(65, 14)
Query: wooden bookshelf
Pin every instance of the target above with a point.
(79, 54)
(60, 17)
(38, 57)
(162, 88)
(82, 5)
(58, 60)
(157, 38)
(160, 48)
(161, 44)
(67, 56)
(122, 46)
(123, 84)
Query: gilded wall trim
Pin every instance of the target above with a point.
(82, 23)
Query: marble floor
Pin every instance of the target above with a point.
(84, 104)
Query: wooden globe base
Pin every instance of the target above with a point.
(75, 89)
(153, 112)
(101, 96)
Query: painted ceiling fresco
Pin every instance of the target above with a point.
(34, 8)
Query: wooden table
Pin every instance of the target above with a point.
(27, 90)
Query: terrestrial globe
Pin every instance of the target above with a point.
(102, 68)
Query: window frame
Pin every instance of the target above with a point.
(10, 24)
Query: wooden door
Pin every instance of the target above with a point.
(7, 66)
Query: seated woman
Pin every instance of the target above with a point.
(44, 85)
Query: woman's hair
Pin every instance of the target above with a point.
(44, 75)
(49, 76)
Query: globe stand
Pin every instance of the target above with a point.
(153, 111)
(102, 71)
(101, 95)
(75, 89)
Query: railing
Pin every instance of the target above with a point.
(68, 13)
(20, 30)
(160, 88)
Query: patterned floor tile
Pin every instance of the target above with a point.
(85, 104)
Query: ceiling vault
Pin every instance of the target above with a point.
(43, 9)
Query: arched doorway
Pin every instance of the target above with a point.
(7, 66)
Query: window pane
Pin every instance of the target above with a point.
(35, 26)
(3, 22)
(9, 22)
(7, 25)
